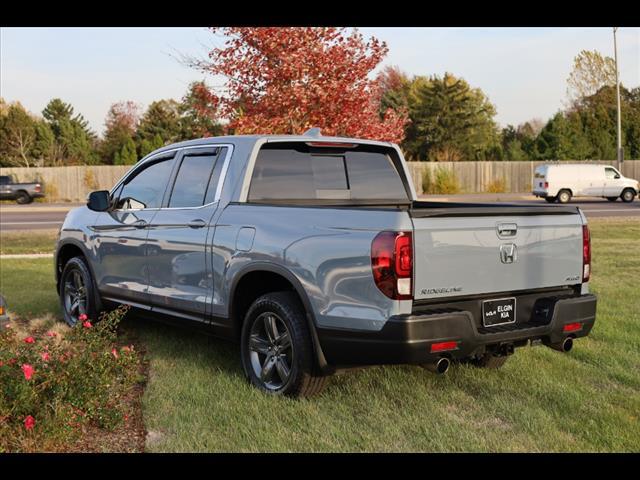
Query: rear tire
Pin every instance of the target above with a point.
(550, 199)
(276, 348)
(628, 195)
(564, 196)
(22, 198)
(489, 360)
(612, 199)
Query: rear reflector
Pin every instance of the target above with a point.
(443, 346)
(546, 184)
(572, 327)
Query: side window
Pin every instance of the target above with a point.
(610, 173)
(193, 180)
(146, 188)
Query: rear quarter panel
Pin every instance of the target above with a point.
(326, 249)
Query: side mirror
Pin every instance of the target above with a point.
(99, 201)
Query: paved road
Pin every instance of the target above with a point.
(45, 216)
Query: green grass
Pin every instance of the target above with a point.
(542, 400)
(27, 241)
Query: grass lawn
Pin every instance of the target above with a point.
(27, 241)
(588, 400)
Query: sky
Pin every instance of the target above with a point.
(523, 71)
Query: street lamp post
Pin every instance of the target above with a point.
(615, 53)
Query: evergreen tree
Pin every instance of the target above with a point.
(127, 154)
(449, 121)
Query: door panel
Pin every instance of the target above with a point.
(121, 233)
(121, 269)
(612, 185)
(180, 278)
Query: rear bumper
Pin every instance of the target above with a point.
(408, 338)
(540, 193)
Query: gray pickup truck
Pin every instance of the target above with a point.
(20, 192)
(315, 254)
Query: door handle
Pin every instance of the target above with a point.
(140, 224)
(197, 223)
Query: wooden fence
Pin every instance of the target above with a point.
(72, 184)
(515, 177)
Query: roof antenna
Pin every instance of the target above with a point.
(313, 132)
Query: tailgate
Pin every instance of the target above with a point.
(486, 250)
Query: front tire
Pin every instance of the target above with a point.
(276, 348)
(77, 292)
(564, 196)
(628, 195)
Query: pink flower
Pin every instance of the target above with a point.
(1, 364)
(82, 317)
(45, 356)
(86, 324)
(52, 334)
(27, 370)
(8, 325)
(29, 422)
(114, 352)
(29, 340)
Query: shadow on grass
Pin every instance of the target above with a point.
(184, 344)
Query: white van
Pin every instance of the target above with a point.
(560, 182)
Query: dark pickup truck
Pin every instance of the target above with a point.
(20, 192)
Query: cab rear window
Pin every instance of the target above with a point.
(297, 172)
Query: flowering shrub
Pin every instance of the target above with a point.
(52, 385)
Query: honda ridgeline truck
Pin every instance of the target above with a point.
(315, 254)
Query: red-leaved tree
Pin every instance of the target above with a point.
(287, 80)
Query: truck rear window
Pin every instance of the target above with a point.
(296, 172)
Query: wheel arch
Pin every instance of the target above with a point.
(279, 277)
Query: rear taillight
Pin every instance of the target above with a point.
(586, 253)
(392, 264)
(546, 184)
(38, 188)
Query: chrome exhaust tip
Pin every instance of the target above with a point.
(564, 346)
(439, 367)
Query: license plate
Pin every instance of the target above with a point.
(498, 312)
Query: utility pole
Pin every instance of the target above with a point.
(615, 53)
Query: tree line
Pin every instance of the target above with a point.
(450, 121)
(62, 136)
(286, 80)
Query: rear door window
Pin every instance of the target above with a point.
(297, 172)
(194, 179)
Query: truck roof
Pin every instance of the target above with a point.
(248, 140)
